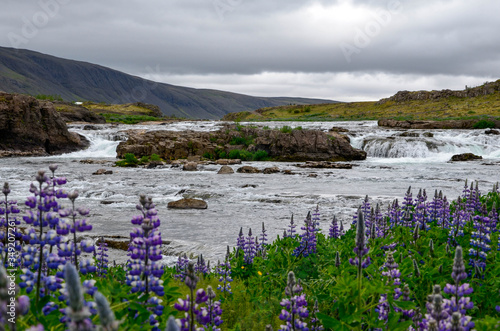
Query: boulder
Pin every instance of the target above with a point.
(465, 157)
(103, 172)
(225, 170)
(492, 132)
(247, 170)
(188, 204)
(190, 166)
(270, 170)
(30, 127)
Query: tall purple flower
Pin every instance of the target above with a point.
(360, 248)
(224, 271)
(334, 229)
(308, 237)
(181, 267)
(249, 249)
(294, 312)
(480, 242)
(291, 229)
(102, 258)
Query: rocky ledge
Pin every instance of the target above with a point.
(446, 124)
(29, 127)
(294, 145)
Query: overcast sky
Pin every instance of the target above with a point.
(343, 50)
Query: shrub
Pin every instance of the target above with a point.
(484, 124)
(155, 157)
(260, 155)
(286, 129)
(208, 155)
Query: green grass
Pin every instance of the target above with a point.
(441, 109)
(128, 119)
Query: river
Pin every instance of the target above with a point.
(393, 164)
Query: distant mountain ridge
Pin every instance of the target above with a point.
(29, 72)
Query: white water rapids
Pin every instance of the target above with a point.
(419, 158)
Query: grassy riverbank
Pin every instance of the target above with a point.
(439, 109)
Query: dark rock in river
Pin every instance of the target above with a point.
(465, 157)
(271, 170)
(30, 127)
(492, 132)
(248, 170)
(102, 172)
(188, 204)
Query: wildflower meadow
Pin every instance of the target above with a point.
(420, 263)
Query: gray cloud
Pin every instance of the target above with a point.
(299, 45)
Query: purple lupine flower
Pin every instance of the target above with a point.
(224, 271)
(145, 249)
(181, 267)
(360, 248)
(434, 206)
(263, 242)
(308, 237)
(459, 302)
(493, 215)
(291, 229)
(214, 311)
(249, 248)
(42, 214)
(334, 229)
(240, 242)
(194, 312)
(294, 310)
(200, 266)
(106, 315)
(480, 240)
(392, 273)
(102, 258)
(78, 314)
(407, 208)
(395, 214)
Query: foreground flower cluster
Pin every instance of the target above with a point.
(424, 264)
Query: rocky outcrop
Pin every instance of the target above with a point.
(403, 96)
(77, 113)
(446, 124)
(465, 157)
(29, 127)
(188, 204)
(297, 145)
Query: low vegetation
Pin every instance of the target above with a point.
(478, 107)
(131, 160)
(425, 264)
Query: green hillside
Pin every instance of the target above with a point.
(471, 103)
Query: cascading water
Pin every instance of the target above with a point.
(394, 162)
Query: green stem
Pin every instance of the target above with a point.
(360, 275)
(40, 262)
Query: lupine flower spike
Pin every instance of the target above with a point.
(106, 315)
